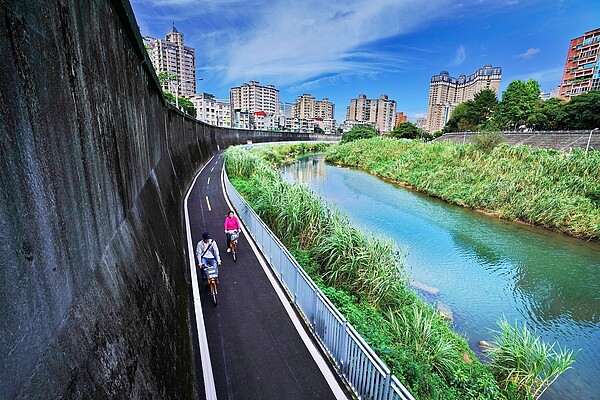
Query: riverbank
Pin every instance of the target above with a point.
(409, 335)
(546, 188)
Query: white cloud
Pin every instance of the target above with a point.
(529, 53)
(301, 44)
(460, 56)
(551, 76)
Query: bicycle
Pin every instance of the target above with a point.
(235, 234)
(212, 273)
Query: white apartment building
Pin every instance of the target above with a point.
(329, 125)
(348, 125)
(250, 98)
(265, 122)
(212, 111)
(381, 113)
(446, 92)
(421, 123)
(173, 56)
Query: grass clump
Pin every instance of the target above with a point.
(523, 363)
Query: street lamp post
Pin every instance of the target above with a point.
(590, 139)
(177, 90)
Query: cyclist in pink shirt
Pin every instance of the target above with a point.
(231, 223)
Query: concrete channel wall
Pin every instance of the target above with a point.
(562, 141)
(94, 164)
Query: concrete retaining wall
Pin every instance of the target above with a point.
(562, 141)
(93, 280)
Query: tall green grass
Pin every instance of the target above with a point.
(364, 275)
(523, 362)
(560, 191)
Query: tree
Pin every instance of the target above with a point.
(473, 115)
(165, 77)
(186, 104)
(582, 112)
(547, 115)
(407, 130)
(359, 132)
(519, 101)
(485, 103)
(462, 118)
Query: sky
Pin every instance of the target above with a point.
(339, 49)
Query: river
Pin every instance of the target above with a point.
(484, 267)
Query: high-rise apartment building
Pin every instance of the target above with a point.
(250, 98)
(379, 112)
(582, 69)
(401, 118)
(173, 56)
(446, 92)
(211, 110)
(307, 107)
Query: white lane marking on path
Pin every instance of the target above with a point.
(208, 181)
(208, 204)
(323, 365)
(209, 381)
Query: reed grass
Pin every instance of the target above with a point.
(521, 359)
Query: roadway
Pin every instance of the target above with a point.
(252, 345)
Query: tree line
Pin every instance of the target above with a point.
(520, 108)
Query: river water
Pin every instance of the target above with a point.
(485, 268)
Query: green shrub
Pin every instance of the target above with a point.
(486, 142)
(359, 132)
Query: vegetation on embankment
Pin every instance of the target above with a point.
(364, 276)
(559, 191)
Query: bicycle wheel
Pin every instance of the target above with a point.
(213, 291)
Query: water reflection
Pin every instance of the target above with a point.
(485, 267)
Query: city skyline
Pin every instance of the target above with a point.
(341, 50)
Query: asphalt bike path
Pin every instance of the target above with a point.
(256, 350)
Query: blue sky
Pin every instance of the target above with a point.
(340, 49)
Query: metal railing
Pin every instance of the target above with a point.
(356, 362)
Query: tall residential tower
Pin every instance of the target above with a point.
(446, 92)
(380, 113)
(307, 107)
(249, 99)
(582, 69)
(173, 56)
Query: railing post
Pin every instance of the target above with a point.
(343, 347)
(387, 384)
(314, 309)
(589, 140)
(296, 279)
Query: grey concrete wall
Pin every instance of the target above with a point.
(93, 166)
(562, 141)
